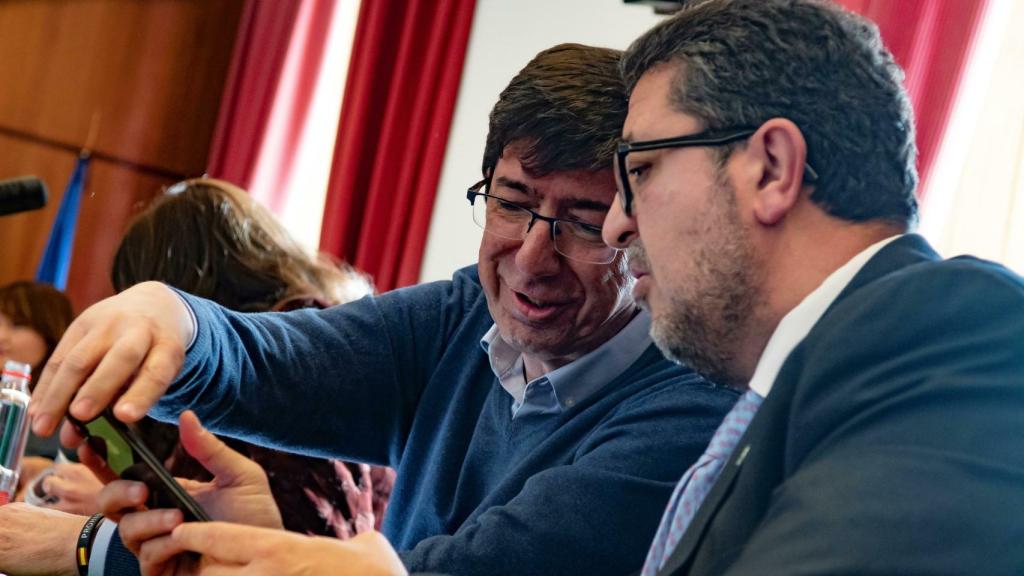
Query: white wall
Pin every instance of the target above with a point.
(506, 35)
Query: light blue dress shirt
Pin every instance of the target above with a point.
(568, 385)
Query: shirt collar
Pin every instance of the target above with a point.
(795, 325)
(578, 379)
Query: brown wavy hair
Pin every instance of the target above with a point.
(566, 107)
(210, 238)
(40, 307)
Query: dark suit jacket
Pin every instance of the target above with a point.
(892, 441)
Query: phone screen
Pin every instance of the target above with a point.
(120, 445)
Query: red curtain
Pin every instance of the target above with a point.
(931, 40)
(403, 80)
(261, 45)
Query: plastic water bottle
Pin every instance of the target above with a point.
(14, 398)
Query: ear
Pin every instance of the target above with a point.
(777, 152)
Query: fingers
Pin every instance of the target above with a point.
(80, 475)
(70, 436)
(72, 361)
(191, 486)
(44, 383)
(139, 527)
(154, 553)
(161, 366)
(260, 550)
(209, 569)
(136, 338)
(120, 497)
(226, 465)
(120, 358)
(222, 542)
(70, 469)
(63, 489)
(100, 363)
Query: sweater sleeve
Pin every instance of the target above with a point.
(598, 514)
(109, 556)
(343, 382)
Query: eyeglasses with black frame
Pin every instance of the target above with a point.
(708, 138)
(505, 219)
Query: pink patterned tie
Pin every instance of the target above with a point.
(698, 480)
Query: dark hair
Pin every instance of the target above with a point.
(40, 307)
(743, 62)
(566, 107)
(211, 239)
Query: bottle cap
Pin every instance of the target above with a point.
(17, 369)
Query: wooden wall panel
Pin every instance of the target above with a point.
(153, 71)
(148, 73)
(112, 196)
(23, 236)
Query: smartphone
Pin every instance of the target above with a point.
(120, 445)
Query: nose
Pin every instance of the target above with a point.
(536, 255)
(619, 230)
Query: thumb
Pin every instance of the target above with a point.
(225, 464)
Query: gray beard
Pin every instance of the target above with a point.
(709, 316)
(685, 340)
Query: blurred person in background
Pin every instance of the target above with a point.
(33, 317)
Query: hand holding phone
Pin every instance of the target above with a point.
(126, 454)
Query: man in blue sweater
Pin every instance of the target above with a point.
(534, 427)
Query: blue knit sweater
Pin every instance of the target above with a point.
(400, 379)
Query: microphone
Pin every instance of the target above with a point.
(21, 194)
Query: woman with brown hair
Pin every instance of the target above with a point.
(33, 317)
(209, 238)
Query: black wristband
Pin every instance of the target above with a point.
(85, 539)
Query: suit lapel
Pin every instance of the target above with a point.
(905, 251)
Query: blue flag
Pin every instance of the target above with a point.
(53, 268)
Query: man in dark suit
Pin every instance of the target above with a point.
(766, 196)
